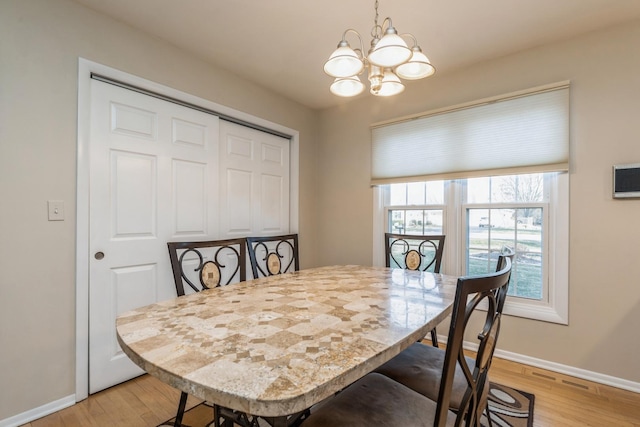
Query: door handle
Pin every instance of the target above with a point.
(98, 255)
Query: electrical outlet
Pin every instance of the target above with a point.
(56, 210)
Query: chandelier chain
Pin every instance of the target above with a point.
(376, 31)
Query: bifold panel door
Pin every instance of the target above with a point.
(159, 173)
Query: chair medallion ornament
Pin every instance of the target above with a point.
(210, 274)
(273, 263)
(412, 260)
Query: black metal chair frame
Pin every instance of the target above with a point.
(210, 276)
(497, 296)
(493, 288)
(505, 252)
(416, 259)
(365, 394)
(272, 262)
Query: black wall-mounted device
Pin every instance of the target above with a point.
(626, 181)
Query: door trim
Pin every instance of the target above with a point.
(85, 69)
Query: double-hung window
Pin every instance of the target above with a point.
(420, 208)
(489, 175)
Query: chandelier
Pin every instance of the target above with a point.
(388, 60)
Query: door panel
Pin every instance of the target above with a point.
(131, 121)
(190, 198)
(272, 156)
(254, 182)
(154, 178)
(133, 192)
(272, 194)
(186, 133)
(239, 201)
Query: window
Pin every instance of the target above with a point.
(508, 211)
(420, 208)
(487, 174)
(480, 216)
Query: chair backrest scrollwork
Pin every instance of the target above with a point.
(273, 255)
(414, 252)
(208, 264)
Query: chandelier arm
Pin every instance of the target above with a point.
(415, 41)
(344, 40)
(377, 31)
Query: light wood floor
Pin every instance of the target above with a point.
(559, 401)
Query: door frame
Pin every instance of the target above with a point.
(85, 68)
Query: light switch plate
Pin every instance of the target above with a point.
(56, 210)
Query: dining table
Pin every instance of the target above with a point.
(276, 346)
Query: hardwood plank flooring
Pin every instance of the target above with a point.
(560, 400)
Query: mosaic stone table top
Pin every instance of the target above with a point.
(278, 345)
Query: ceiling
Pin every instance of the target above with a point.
(282, 44)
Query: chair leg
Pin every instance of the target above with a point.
(181, 406)
(434, 337)
(217, 414)
(486, 409)
(225, 417)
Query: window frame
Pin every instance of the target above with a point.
(554, 307)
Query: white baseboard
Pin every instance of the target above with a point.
(558, 367)
(39, 412)
(570, 370)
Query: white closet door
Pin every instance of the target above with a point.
(154, 178)
(254, 182)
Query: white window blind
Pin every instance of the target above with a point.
(517, 133)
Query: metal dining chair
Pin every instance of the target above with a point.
(419, 367)
(377, 399)
(415, 252)
(198, 266)
(273, 255)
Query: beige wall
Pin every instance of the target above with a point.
(604, 309)
(40, 42)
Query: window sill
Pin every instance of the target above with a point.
(536, 311)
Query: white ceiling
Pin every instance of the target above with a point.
(283, 44)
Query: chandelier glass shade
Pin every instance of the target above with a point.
(347, 86)
(390, 51)
(388, 60)
(343, 62)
